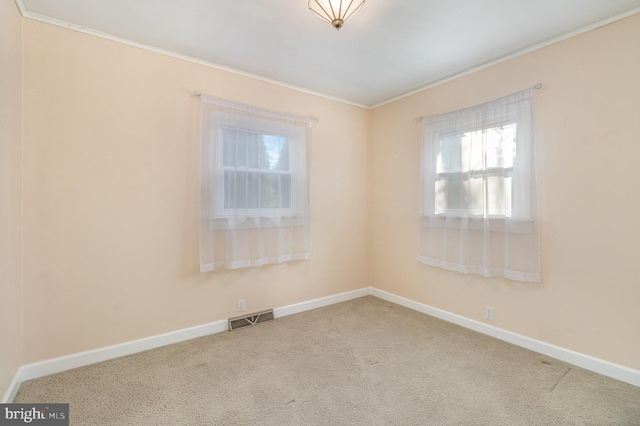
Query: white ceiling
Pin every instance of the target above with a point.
(388, 49)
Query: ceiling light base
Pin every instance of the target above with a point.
(335, 12)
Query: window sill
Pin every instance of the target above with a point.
(262, 221)
(495, 224)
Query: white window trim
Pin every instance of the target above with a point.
(520, 220)
(245, 218)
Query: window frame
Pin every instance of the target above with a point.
(430, 203)
(222, 216)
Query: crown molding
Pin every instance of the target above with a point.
(74, 27)
(41, 18)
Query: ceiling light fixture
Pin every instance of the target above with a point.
(335, 12)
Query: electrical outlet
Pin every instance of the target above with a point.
(241, 305)
(488, 312)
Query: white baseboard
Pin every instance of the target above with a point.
(56, 365)
(321, 302)
(13, 388)
(606, 368)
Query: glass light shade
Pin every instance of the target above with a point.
(335, 12)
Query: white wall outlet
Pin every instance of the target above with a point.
(488, 312)
(241, 305)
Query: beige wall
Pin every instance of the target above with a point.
(588, 134)
(10, 184)
(110, 196)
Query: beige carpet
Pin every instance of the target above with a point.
(362, 362)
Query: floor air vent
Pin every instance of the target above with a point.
(250, 320)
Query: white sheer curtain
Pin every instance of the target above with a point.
(254, 204)
(479, 209)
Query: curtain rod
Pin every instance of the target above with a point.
(197, 93)
(537, 86)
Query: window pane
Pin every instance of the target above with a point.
(253, 190)
(269, 191)
(241, 190)
(283, 159)
(450, 155)
(255, 151)
(257, 170)
(449, 194)
(234, 148)
(229, 149)
(474, 194)
(475, 170)
(275, 152)
(501, 146)
(499, 195)
(473, 151)
(285, 191)
(235, 193)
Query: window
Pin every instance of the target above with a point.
(474, 172)
(257, 173)
(254, 186)
(479, 196)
